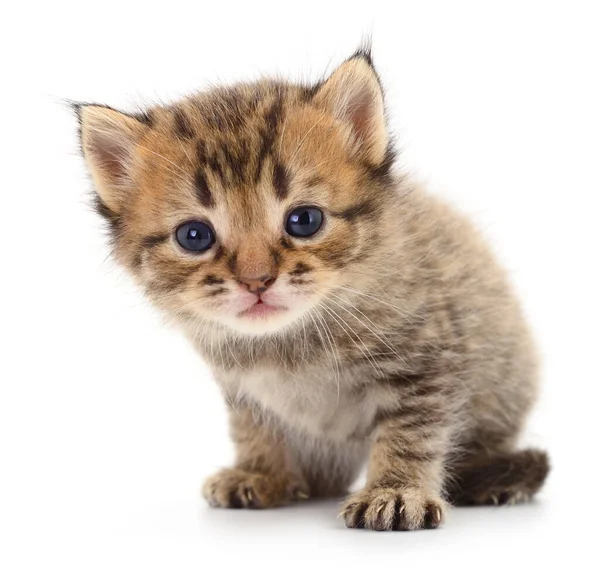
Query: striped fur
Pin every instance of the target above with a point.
(402, 345)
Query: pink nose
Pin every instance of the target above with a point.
(258, 285)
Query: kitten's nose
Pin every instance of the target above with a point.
(257, 285)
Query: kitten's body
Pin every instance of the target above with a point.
(440, 308)
(398, 339)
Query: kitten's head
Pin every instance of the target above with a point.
(246, 205)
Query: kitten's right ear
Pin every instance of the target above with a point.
(108, 142)
(354, 95)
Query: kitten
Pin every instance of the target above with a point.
(348, 316)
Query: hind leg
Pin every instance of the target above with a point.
(504, 477)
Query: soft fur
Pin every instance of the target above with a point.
(402, 344)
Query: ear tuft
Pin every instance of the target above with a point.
(364, 52)
(353, 94)
(108, 142)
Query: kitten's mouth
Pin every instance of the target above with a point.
(261, 309)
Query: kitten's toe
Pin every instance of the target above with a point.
(234, 488)
(393, 509)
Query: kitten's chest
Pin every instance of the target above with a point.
(312, 401)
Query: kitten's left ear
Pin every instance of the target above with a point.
(108, 141)
(353, 94)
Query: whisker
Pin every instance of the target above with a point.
(377, 336)
(323, 342)
(336, 354)
(339, 320)
(295, 153)
(180, 169)
(403, 312)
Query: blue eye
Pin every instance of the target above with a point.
(195, 236)
(304, 221)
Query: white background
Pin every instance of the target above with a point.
(109, 421)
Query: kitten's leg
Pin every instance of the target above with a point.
(405, 477)
(264, 475)
(499, 477)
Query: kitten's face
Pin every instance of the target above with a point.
(245, 206)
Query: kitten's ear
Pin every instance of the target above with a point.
(354, 95)
(108, 141)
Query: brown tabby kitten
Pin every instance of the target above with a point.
(347, 315)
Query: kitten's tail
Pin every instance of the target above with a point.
(501, 479)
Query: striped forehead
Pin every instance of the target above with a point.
(238, 156)
(238, 167)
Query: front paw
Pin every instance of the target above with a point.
(393, 509)
(234, 488)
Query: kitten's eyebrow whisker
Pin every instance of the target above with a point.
(180, 169)
(180, 143)
(295, 154)
(284, 124)
(319, 165)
